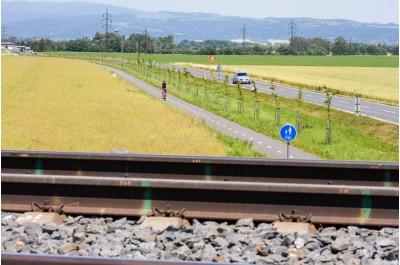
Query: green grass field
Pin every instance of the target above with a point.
(349, 61)
(354, 138)
(374, 77)
(70, 105)
(277, 60)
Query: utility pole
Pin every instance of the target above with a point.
(243, 35)
(292, 31)
(350, 52)
(122, 44)
(3, 33)
(145, 41)
(173, 40)
(107, 20)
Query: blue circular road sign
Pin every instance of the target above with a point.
(288, 132)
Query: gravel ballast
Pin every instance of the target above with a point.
(243, 242)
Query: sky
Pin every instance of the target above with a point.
(379, 11)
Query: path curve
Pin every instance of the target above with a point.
(264, 144)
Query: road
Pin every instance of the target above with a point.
(374, 110)
(264, 144)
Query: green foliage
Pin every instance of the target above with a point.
(359, 140)
(238, 148)
(240, 90)
(226, 84)
(345, 61)
(329, 95)
(300, 94)
(235, 147)
(143, 43)
(340, 46)
(254, 90)
(275, 95)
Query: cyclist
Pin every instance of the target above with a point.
(164, 90)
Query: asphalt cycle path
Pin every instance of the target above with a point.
(264, 144)
(371, 109)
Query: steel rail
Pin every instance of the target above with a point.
(28, 259)
(202, 185)
(382, 174)
(335, 192)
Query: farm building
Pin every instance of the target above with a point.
(7, 45)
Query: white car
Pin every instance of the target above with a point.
(241, 77)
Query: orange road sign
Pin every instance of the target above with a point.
(212, 58)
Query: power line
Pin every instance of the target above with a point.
(292, 29)
(244, 34)
(173, 40)
(350, 44)
(3, 33)
(145, 41)
(107, 20)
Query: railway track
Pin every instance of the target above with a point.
(334, 192)
(21, 259)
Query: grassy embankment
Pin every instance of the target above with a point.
(69, 105)
(374, 83)
(354, 138)
(374, 77)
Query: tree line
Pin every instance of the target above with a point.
(143, 43)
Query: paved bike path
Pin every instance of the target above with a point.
(264, 144)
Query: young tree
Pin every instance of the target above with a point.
(329, 95)
(173, 75)
(187, 75)
(300, 94)
(240, 99)
(226, 85)
(277, 108)
(151, 64)
(299, 125)
(272, 87)
(256, 102)
(179, 79)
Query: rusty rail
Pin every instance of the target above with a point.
(28, 259)
(335, 192)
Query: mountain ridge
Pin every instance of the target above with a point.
(83, 19)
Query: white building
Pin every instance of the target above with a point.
(276, 42)
(5, 45)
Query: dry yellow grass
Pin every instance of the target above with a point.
(370, 82)
(70, 105)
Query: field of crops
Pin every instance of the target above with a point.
(70, 105)
(374, 77)
(378, 83)
(347, 61)
(355, 138)
(352, 61)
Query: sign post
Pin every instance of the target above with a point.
(357, 103)
(219, 70)
(288, 133)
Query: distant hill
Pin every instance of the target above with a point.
(71, 20)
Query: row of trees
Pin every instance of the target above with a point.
(340, 46)
(143, 43)
(206, 92)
